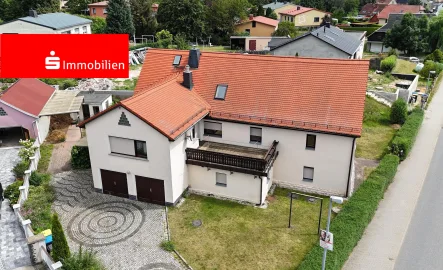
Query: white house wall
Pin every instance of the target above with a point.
(179, 172)
(240, 186)
(158, 164)
(72, 29)
(330, 159)
(43, 127)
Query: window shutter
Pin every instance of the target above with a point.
(308, 173)
(122, 146)
(256, 131)
(213, 126)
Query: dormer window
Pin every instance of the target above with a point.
(220, 92)
(177, 60)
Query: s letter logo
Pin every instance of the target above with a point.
(52, 62)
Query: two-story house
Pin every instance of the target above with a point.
(303, 16)
(230, 125)
(258, 26)
(278, 7)
(50, 23)
(99, 9)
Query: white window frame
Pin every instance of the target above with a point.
(210, 134)
(220, 176)
(255, 130)
(308, 174)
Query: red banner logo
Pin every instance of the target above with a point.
(64, 56)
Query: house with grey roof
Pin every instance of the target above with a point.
(278, 7)
(324, 42)
(50, 23)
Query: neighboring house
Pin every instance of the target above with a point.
(398, 9)
(230, 125)
(50, 23)
(248, 43)
(278, 7)
(303, 17)
(370, 10)
(99, 9)
(258, 26)
(375, 40)
(277, 41)
(94, 102)
(20, 107)
(323, 42)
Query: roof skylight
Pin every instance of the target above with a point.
(220, 92)
(177, 60)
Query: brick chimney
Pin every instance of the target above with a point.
(251, 17)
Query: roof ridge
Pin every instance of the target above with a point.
(154, 88)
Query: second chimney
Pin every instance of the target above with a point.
(251, 17)
(33, 13)
(194, 57)
(187, 78)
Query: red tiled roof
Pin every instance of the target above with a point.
(99, 4)
(306, 93)
(262, 19)
(384, 14)
(370, 9)
(29, 95)
(296, 11)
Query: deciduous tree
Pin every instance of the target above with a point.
(285, 29)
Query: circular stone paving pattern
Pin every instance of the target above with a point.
(106, 223)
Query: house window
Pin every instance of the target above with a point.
(292, 19)
(77, 30)
(66, 32)
(220, 179)
(254, 24)
(255, 135)
(95, 109)
(177, 60)
(220, 91)
(93, 10)
(310, 141)
(105, 11)
(85, 30)
(128, 147)
(248, 31)
(212, 129)
(193, 132)
(308, 174)
(140, 149)
(316, 19)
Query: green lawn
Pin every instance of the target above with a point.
(235, 236)
(46, 153)
(214, 48)
(377, 131)
(404, 67)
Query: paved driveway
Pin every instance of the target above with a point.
(14, 250)
(125, 234)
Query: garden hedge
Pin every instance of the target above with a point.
(350, 223)
(80, 157)
(403, 141)
(399, 111)
(388, 63)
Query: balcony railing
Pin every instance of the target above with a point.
(238, 163)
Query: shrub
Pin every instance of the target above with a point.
(350, 223)
(180, 41)
(45, 157)
(20, 168)
(37, 179)
(388, 63)
(80, 157)
(436, 56)
(56, 136)
(83, 260)
(60, 248)
(403, 141)
(399, 111)
(167, 245)
(12, 192)
(431, 65)
(38, 205)
(393, 52)
(28, 149)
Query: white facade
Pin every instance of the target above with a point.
(43, 127)
(377, 47)
(332, 159)
(101, 107)
(22, 27)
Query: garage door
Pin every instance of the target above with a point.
(150, 190)
(114, 183)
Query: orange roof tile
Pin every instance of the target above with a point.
(296, 11)
(99, 4)
(384, 14)
(262, 19)
(29, 95)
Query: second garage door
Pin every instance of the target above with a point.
(150, 190)
(114, 183)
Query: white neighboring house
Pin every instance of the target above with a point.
(50, 23)
(230, 125)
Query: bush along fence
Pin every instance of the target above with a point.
(350, 223)
(36, 243)
(404, 139)
(80, 157)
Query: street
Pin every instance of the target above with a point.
(422, 247)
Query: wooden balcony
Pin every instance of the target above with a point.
(255, 161)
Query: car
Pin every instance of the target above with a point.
(414, 59)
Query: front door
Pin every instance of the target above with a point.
(253, 45)
(150, 190)
(86, 113)
(114, 183)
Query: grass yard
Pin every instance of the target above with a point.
(235, 236)
(46, 153)
(377, 131)
(214, 48)
(404, 67)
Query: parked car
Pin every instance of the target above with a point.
(414, 59)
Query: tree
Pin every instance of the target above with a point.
(98, 24)
(410, 35)
(164, 38)
(435, 36)
(181, 42)
(318, 4)
(399, 111)
(260, 10)
(78, 6)
(285, 29)
(60, 248)
(414, 2)
(185, 17)
(42, 6)
(339, 14)
(119, 19)
(144, 20)
(350, 6)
